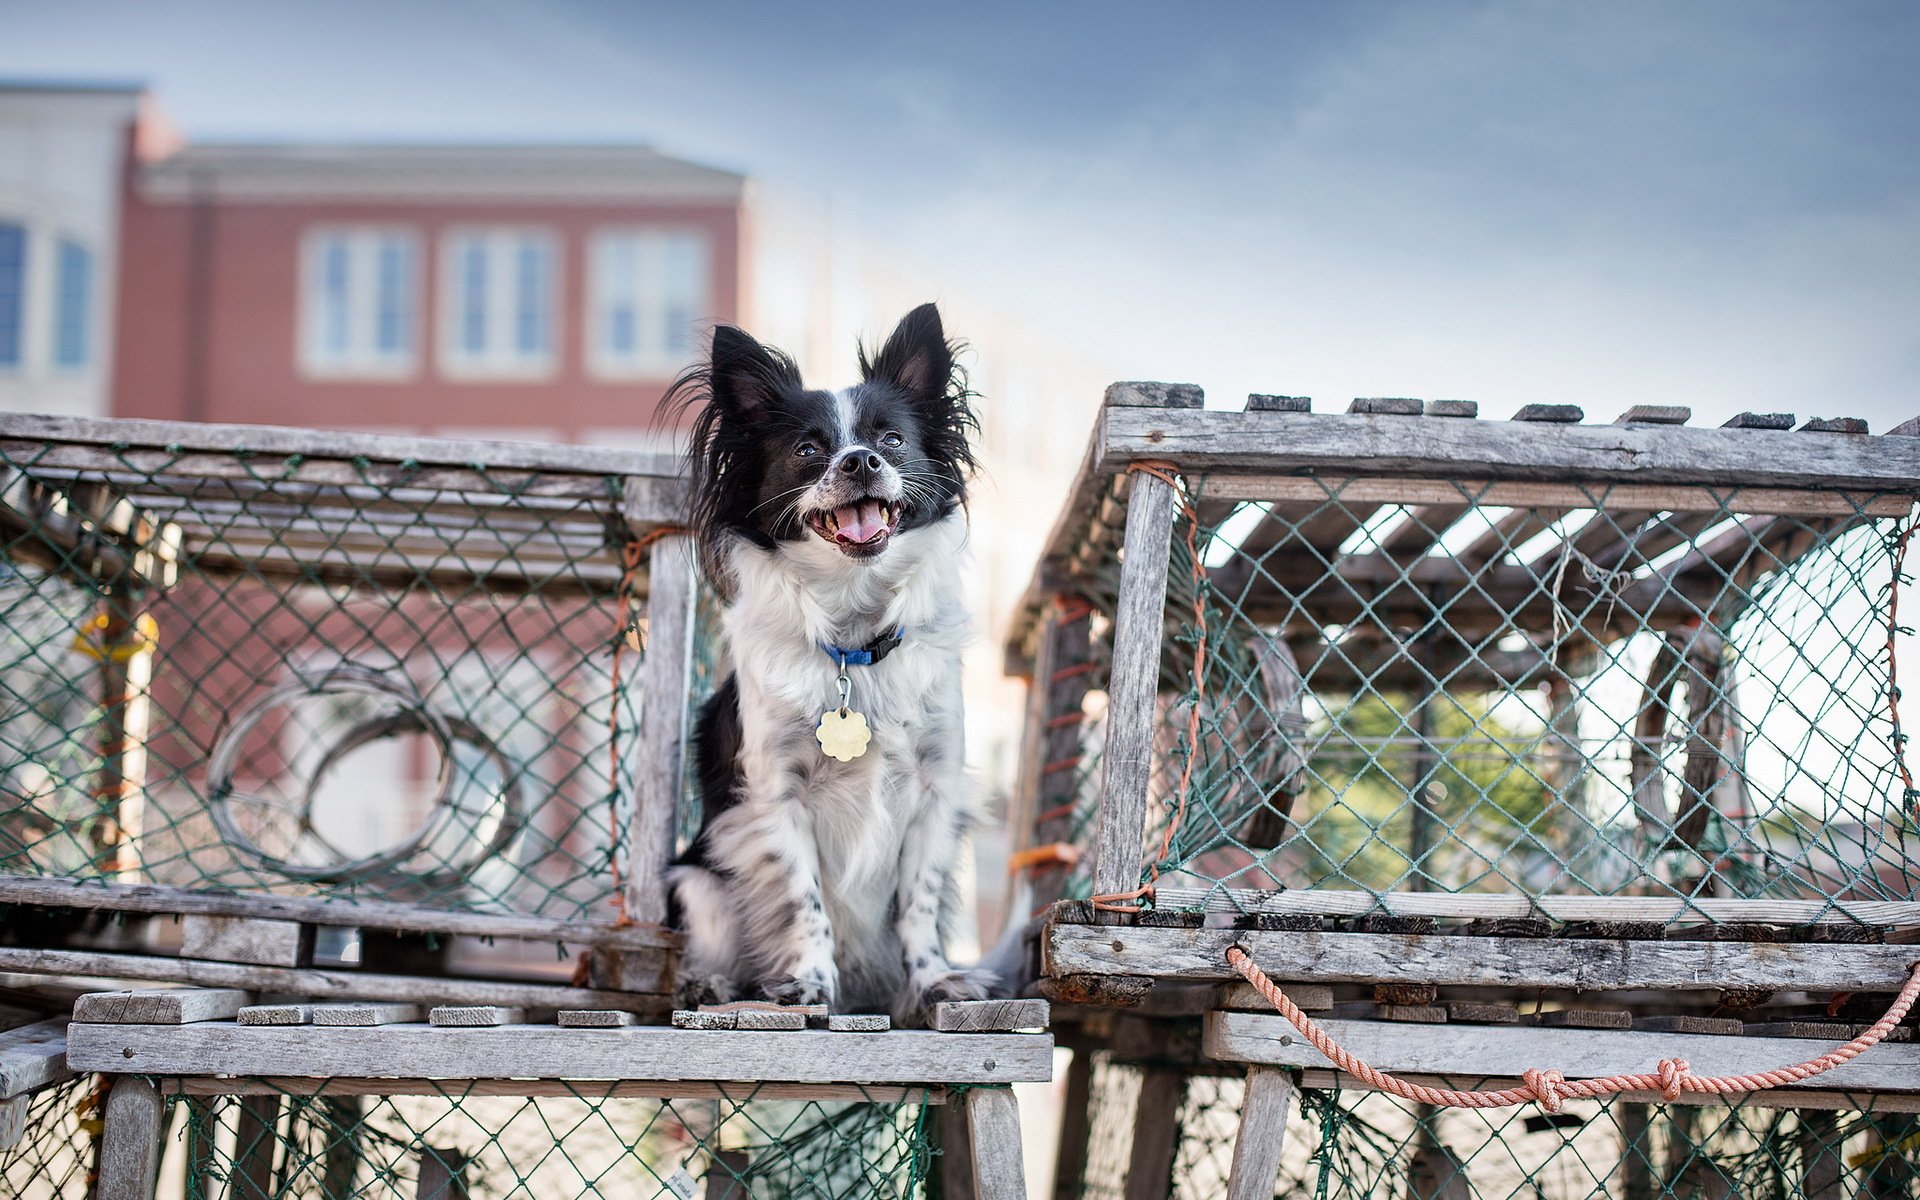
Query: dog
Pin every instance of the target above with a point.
(832, 526)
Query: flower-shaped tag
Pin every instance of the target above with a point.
(843, 734)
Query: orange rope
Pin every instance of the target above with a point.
(1129, 901)
(632, 555)
(1670, 1078)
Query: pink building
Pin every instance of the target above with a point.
(533, 293)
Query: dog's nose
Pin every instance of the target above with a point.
(860, 462)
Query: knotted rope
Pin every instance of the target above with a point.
(1549, 1088)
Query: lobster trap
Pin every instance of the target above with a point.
(1349, 1143)
(1533, 750)
(338, 681)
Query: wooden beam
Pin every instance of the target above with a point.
(1070, 1160)
(200, 1085)
(1865, 1100)
(1132, 687)
(325, 985)
(1214, 443)
(548, 1051)
(246, 940)
(1263, 1134)
(51, 892)
(1457, 960)
(1156, 1132)
(993, 1137)
(666, 676)
(1510, 1051)
(1668, 910)
(161, 1006)
(32, 1057)
(130, 1140)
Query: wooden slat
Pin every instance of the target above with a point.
(1133, 684)
(130, 1140)
(989, 1016)
(325, 984)
(1760, 501)
(1262, 1134)
(365, 1014)
(265, 943)
(583, 1089)
(1810, 1098)
(1156, 1132)
(46, 892)
(666, 675)
(1214, 442)
(33, 1056)
(550, 1052)
(1454, 960)
(161, 1006)
(1348, 902)
(1514, 1050)
(993, 1138)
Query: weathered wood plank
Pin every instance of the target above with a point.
(255, 1141)
(990, 1016)
(1156, 1133)
(1263, 1134)
(1557, 497)
(854, 1022)
(13, 1120)
(993, 1137)
(33, 1056)
(1454, 960)
(1511, 1051)
(593, 1018)
(365, 1014)
(1860, 1101)
(49, 892)
(475, 1016)
(200, 1085)
(326, 984)
(161, 1006)
(768, 1021)
(550, 1052)
(275, 1014)
(130, 1140)
(265, 943)
(686, 1018)
(1133, 684)
(1212, 442)
(1348, 902)
(666, 673)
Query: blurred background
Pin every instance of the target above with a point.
(514, 220)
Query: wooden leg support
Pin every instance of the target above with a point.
(130, 1140)
(1263, 1132)
(993, 1132)
(1156, 1133)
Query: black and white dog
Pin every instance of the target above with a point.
(831, 524)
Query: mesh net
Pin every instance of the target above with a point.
(560, 1147)
(1460, 687)
(360, 677)
(1346, 1143)
(53, 1158)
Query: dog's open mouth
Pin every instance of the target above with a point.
(862, 527)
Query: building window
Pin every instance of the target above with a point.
(648, 301)
(358, 299)
(499, 309)
(73, 306)
(13, 291)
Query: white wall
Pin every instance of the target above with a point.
(61, 153)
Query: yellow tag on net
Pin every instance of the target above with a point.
(843, 734)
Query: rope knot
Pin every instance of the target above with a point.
(1674, 1072)
(1546, 1087)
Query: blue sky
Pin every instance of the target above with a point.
(1707, 203)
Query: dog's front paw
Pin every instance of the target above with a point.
(960, 983)
(705, 989)
(786, 989)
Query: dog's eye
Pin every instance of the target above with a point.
(892, 440)
(806, 450)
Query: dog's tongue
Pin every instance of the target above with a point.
(860, 522)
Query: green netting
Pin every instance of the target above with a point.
(54, 1156)
(1406, 691)
(331, 1146)
(1354, 1144)
(357, 678)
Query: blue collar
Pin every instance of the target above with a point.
(867, 655)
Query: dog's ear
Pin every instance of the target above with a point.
(916, 358)
(745, 374)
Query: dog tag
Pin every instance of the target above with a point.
(843, 734)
